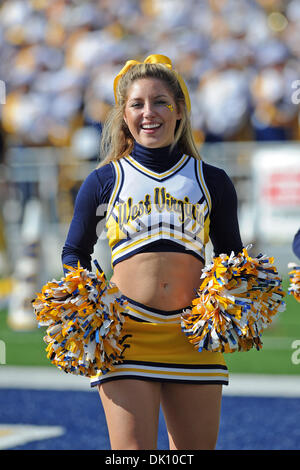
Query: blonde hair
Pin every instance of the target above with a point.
(116, 139)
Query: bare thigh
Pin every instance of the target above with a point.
(192, 415)
(132, 413)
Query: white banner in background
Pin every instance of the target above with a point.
(276, 171)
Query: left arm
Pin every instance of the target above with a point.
(224, 226)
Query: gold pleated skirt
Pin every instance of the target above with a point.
(159, 350)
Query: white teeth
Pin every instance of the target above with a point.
(150, 126)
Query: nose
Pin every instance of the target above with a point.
(148, 109)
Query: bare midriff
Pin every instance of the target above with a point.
(162, 280)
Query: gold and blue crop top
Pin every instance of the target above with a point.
(154, 200)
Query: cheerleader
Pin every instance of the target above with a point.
(294, 273)
(296, 244)
(161, 204)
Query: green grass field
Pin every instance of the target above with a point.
(28, 348)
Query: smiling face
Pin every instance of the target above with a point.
(151, 113)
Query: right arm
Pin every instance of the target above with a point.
(82, 236)
(224, 226)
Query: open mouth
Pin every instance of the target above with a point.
(151, 127)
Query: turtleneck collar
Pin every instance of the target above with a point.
(156, 159)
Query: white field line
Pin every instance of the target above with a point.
(48, 378)
(261, 385)
(41, 378)
(12, 435)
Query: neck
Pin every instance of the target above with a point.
(156, 159)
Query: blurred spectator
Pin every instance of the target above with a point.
(58, 58)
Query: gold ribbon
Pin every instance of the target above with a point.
(154, 59)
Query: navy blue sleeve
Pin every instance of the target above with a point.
(296, 244)
(224, 227)
(89, 210)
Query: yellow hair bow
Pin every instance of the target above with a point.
(154, 59)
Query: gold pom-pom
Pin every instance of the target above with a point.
(294, 287)
(83, 314)
(236, 301)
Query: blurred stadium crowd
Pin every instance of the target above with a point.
(58, 59)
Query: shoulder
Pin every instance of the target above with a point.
(296, 244)
(219, 184)
(98, 177)
(215, 178)
(104, 172)
(98, 184)
(297, 236)
(208, 170)
(213, 172)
